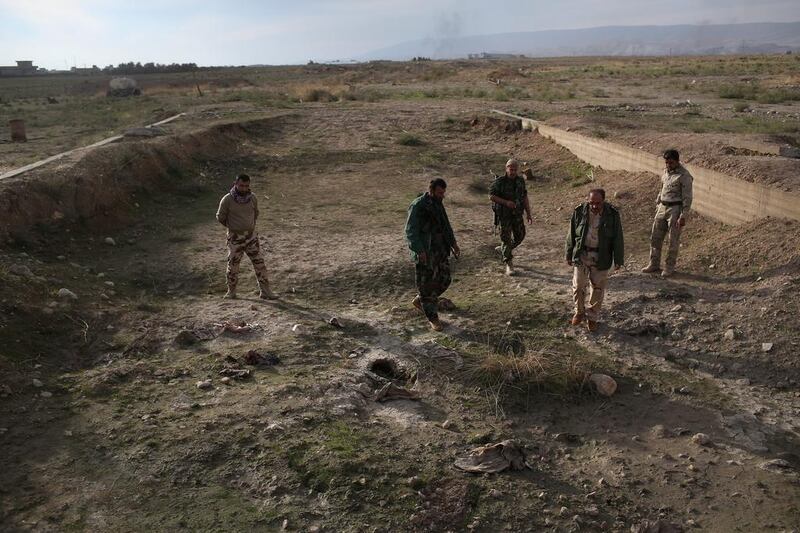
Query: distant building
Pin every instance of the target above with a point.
(85, 70)
(23, 68)
(487, 55)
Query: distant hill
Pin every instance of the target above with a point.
(762, 37)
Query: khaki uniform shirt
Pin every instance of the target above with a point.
(676, 186)
(238, 218)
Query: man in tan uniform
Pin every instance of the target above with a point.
(238, 211)
(674, 202)
(594, 243)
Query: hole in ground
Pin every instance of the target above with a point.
(388, 369)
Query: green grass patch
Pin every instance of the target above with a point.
(410, 139)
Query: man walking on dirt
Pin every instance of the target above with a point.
(674, 202)
(238, 211)
(594, 241)
(509, 197)
(430, 239)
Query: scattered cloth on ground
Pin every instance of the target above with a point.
(188, 337)
(255, 358)
(493, 458)
(232, 327)
(235, 373)
(390, 391)
(645, 327)
(436, 351)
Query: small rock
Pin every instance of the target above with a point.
(661, 432)
(108, 283)
(702, 439)
(563, 511)
(205, 384)
(606, 385)
(109, 241)
(334, 322)
(67, 433)
(415, 482)
(37, 383)
(66, 294)
(592, 510)
(729, 335)
(496, 494)
(46, 394)
(296, 328)
(677, 309)
(447, 424)
(225, 381)
(776, 464)
(21, 270)
(766, 346)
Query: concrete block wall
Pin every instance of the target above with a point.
(719, 196)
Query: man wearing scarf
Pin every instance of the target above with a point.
(430, 239)
(238, 211)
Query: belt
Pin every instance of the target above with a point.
(590, 249)
(670, 204)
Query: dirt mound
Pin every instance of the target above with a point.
(494, 124)
(99, 188)
(767, 245)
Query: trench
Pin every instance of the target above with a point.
(721, 197)
(100, 189)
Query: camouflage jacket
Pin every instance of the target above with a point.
(428, 228)
(509, 189)
(611, 247)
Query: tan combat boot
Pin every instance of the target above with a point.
(267, 294)
(437, 325)
(651, 267)
(576, 319)
(509, 269)
(592, 325)
(417, 302)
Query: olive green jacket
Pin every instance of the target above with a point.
(509, 189)
(611, 243)
(428, 228)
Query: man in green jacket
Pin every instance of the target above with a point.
(510, 199)
(594, 241)
(430, 239)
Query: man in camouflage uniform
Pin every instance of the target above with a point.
(674, 202)
(510, 198)
(594, 242)
(238, 211)
(430, 239)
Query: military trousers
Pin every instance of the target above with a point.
(586, 276)
(665, 224)
(512, 233)
(432, 278)
(238, 246)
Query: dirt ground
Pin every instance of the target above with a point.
(107, 425)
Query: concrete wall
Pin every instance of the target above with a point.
(719, 196)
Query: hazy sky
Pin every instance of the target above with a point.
(62, 33)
